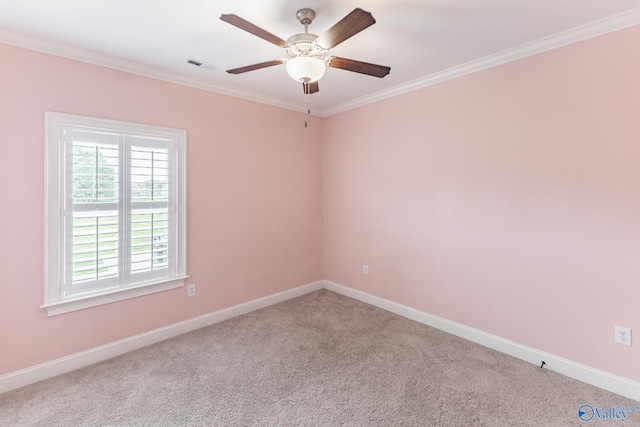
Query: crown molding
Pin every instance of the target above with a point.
(583, 32)
(574, 35)
(91, 57)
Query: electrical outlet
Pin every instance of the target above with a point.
(623, 335)
(191, 290)
(365, 269)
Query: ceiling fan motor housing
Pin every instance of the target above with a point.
(303, 45)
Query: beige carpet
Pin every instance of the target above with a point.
(320, 359)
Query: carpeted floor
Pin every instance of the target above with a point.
(320, 359)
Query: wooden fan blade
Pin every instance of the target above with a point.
(255, 66)
(349, 26)
(358, 66)
(243, 24)
(309, 88)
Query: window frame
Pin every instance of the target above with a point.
(54, 302)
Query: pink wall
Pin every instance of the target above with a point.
(507, 200)
(254, 201)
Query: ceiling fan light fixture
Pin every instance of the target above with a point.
(306, 69)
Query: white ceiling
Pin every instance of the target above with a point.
(421, 40)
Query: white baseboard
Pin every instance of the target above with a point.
(615, 384)
(604, 380)
(75, 361)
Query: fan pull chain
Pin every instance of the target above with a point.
(307, 109)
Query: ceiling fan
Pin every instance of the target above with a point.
(308, 53)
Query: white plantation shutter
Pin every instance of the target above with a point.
(91, 220)
(151, 230)
(122, 205)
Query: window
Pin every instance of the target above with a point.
(115, 211)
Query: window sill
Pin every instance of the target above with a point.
(61, 307)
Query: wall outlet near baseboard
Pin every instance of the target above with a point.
(191, 290)
(623, 335)
(365, 269)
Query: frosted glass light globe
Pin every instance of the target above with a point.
(305, 69)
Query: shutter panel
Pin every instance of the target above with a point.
(150, 182)
(92, 206)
